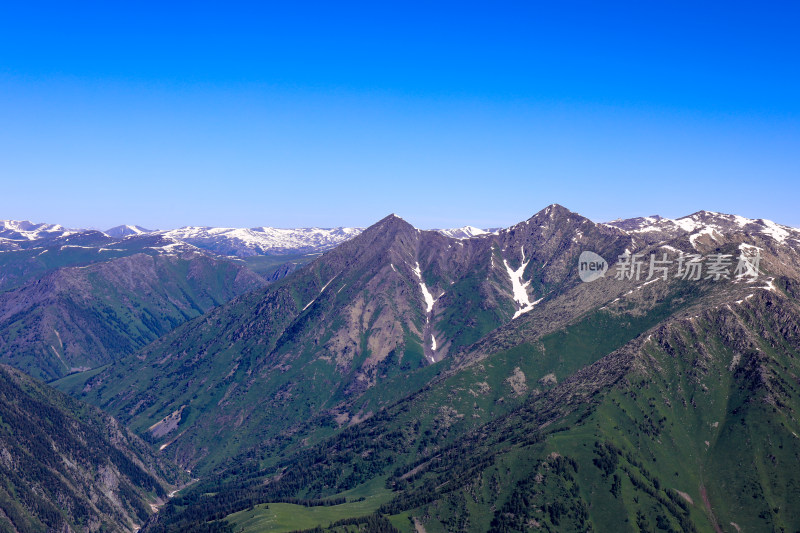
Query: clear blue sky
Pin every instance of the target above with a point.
(301, 114)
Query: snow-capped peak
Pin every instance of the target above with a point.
(24, 230)
(126, 230)
(464, 232)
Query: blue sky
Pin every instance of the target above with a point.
(316, 114)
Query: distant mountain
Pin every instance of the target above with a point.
(16, 233)
(77, 299)
(31, 259)
(465, 232)
(235, 242)
(241, 242)
(126, 230)
(74, 302)
(706, 226)
(66, 466)
(78, 318)
(29, 251)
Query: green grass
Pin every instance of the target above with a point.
(280, 517)
(74, 382)
(687, 419)
(402, 522)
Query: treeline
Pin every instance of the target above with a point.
(549, 495)
(349, 459)
(327, 502)
(374, 523)
(608, 460)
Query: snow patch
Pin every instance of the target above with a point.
(320, 293)
(426, 294)
(519, 288)
(741, 221)
(76, 246)
(417, 271)
(705, 231)
(466, 232)
(744, 247)
(687, 224)
(775, 231)
(770, 286)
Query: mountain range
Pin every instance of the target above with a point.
(446, 380)
(240, 242)
(236, 242)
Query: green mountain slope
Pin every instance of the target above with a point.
(77, 318)
(695, 428)
(66, 466)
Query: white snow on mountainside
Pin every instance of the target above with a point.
(238, 242)
(465, 232)
(125, 230)
(246, 242)
(704, 224)
(701, 228)
(24, 230)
